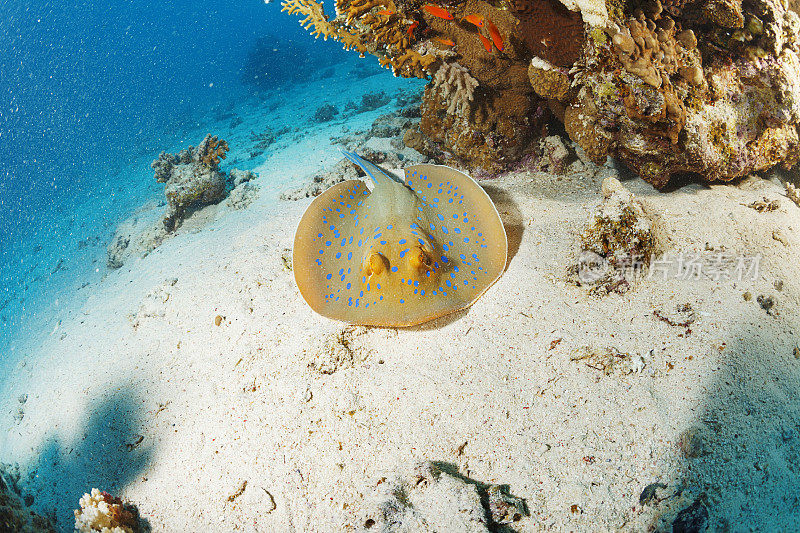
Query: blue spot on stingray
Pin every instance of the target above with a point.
(341, 271)
(319, 234)
(474, 256)
(338, 255)
(331, 227)
(381, 298)
(383, 242)
(321, 252)
(402, 301)
(444, 259)
(349, 301)
(463, 256)
(356, 302)
(457, 230)
(466, 239)
(445, 247)
(403, 253)
(422, 292)
(389, 226)
(327, 243)
(441, 217)
(341, 216)
(349, 255)
(402, 241)
(430, 185)
(361, 293)
(350, 241)
(416, 283)
(394, 269)
(367, 287)
(329, 276)
(348, 286)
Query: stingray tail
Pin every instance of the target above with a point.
(375, 173)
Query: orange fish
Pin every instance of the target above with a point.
(486, 43)
(412, 28)
(475, 19)
(437, 11)
(386, 12)
(495, 34)
(446, 42)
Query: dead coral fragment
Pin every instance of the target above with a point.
(456, 86)
(102, 513)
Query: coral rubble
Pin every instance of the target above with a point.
(191, 177)
(710, 88)
(102, 513)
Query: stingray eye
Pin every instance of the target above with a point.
(376, 263)
(419, 258)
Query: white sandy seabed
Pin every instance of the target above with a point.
(134, 389)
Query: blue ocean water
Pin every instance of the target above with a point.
(89, 87)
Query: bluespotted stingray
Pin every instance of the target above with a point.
(400, 253)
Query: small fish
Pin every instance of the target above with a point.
(386, 12)
(437, 11)
(412, 28)
(495, 34)
(475, 19)
(486, 43)
(446, 42)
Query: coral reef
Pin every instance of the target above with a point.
(709, 88)
(191, 178)
(102, 513)
(15, 515)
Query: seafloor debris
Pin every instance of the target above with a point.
(191, 177)
(765, 205)
(649, 493)
(709, 87)
(793, 193)
(432, 499)
(503, 507)
(102, 513)
(608, 359)
(683, 316)
(693, 519)
(337, 350)
(15, 516)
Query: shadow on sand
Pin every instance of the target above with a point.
(743, 458)
(108, 454)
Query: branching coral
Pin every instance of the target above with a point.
(378, 27)
(102, 513)
(456, 86)
(211, 150)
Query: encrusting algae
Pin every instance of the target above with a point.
(710, 88)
